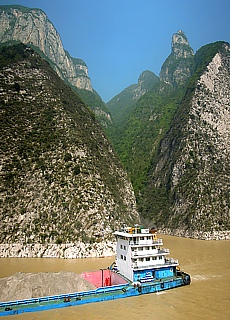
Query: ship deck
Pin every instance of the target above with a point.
(100, 294)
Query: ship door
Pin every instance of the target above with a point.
(153, 274)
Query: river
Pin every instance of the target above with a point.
(208, 296)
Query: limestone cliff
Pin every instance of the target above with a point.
(32, 26)
(60, 179)
(189, 181)
(178, 67)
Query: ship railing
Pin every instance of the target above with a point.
(158, 241)
(171, 261)
(142, 254)
(167, 263)
(163, 250)
(155, 242)
(136, 266)
(79, 294)
(134, 243)
(145, 253)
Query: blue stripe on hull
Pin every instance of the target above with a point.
(101, 294)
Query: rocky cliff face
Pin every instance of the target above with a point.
(178, 67)
(60, 179)
(192, 170)
(31, 26)
(180, 46)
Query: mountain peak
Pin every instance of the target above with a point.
(192, 164)
(56, 162)
(178, 67)
(147, 79)
(32, 26)
(180, 45)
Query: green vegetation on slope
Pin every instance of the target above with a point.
(121, 106)
(180, 191)
(146, 127)
(59, 176)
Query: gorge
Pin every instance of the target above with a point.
(74, 169)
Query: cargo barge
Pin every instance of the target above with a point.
(142, 266)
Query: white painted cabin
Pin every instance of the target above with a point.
(139, 256)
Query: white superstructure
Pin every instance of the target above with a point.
(139, 255)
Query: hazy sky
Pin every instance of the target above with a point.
(119, 39)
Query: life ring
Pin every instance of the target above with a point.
(124, 289)
(162, 285)
(139, 289)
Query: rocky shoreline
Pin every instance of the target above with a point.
(96, 250)
(65, 251)
(199, 235)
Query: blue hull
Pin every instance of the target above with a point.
(98, 295)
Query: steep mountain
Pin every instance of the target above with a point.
(32, 26)
(179, 65)
(60, 179)
(188, 188)
(120, 105)
(143, 131)
(175, 142)
(175, 71)
(95, 103)
(141, 123)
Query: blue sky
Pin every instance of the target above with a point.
(119, 39)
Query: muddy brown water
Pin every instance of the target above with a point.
(208, 296)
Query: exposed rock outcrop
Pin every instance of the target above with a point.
(201, 235)
(180, 46)
(32, 26)
(192, 169)
(179, 65)
(53, 250)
